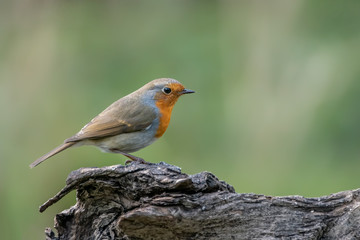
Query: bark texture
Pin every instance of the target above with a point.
(157, 201)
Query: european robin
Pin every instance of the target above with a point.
(131, 123)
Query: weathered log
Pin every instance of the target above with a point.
(157, 201)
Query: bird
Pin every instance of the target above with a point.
(130, 123)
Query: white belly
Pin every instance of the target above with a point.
(126, 142)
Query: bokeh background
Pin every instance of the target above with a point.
(276, 109)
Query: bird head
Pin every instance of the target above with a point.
(165, 91)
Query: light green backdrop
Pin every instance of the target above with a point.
(276, 109)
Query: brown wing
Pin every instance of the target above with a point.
(123, 116)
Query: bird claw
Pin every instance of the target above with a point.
(137, 160)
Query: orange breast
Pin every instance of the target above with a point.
(165, 115)
(165, 104)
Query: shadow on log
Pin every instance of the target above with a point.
(157, 201)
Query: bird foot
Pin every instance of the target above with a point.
(137, 160)
(132, 158)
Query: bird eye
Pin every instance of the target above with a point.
(166, 90)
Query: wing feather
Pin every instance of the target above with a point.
(123, 116)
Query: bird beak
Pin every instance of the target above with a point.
(186, 91)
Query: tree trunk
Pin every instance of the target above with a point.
(157, 201)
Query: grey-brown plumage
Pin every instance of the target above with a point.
(60, 148)
(130, 123)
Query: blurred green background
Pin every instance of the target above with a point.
(276, 109)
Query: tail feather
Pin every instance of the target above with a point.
(52, 153)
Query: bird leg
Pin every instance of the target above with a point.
(132, 158)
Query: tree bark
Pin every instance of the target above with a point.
(157, 201)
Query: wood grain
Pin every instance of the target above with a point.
(158, 201)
